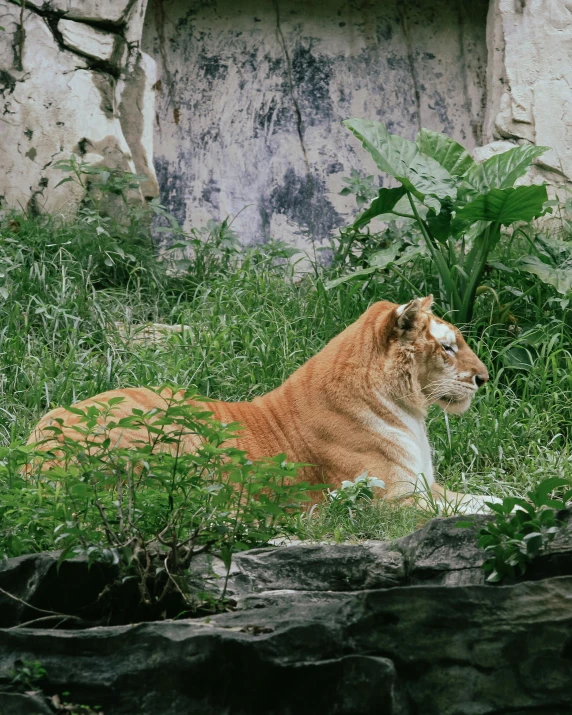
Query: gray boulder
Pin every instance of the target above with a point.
(403, 628)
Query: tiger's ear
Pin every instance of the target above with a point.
(408, 314)
(426, 303)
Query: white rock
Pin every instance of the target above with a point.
(482, 153)
(233, 137)
(530, 77)
(232, 133)
(136, 106)
(135, 19)
(53, 107)
(103, 10)
(87, 40)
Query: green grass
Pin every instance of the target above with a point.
(370, 520)
(250, 325)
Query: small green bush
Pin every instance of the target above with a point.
(150, 508)
(522, 528)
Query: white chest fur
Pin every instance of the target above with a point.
(410, 437)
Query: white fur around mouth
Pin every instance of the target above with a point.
(471, 387)
(455, 405)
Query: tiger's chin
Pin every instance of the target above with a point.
(455, 405)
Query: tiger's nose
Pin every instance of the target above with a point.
(480, 379)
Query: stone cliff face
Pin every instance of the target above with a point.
(253, 95)
(401, 628)
(72, 80)
(243, 100)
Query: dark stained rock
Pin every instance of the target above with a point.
(23, 704)
(407, 628)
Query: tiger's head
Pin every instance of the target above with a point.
(439, 365)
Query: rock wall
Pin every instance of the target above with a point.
(530, 78)
(401, 628)
(72, 80)
(243, 99)
(253, 94)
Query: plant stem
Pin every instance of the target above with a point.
(476, 274)
(442, 267)
(403, 278)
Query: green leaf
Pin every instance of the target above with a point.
(402, 159)
(502, 170)
(546, 486)
(499, 266)
(440, 224)
(517, 358)
(533, 542)
(505, 206)
(452, 156)
(380, 259)
(524, 505)
(559, 278)
(409, 254)
(498, 508)
(350, 276)
(384, 203)
(64, 181)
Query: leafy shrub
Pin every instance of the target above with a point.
(26, 675)
(551, 261)
(522, 528)
(458, 206)
(215, 248)
(150, 508)
(362, 187)
(352, 494)
(352, 513)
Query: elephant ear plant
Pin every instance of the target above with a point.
(458, 205)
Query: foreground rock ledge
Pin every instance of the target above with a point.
(372, 643)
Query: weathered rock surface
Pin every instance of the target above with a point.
(108, 11)
(253, 94)
(87, 40)
(530, 78)
(61, 89)
(398, 628)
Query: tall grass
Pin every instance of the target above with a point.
(250, 324)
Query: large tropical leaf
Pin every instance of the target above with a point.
(502, 170)
(560, 278)
(389, 256)
(440, 224)
(384, 203)
(506, 206)
(402, 159)
(350, 276)
(451, 155)
(381, 259)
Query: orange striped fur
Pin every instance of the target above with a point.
(358, 405)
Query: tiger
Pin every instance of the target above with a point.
(359, 406)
